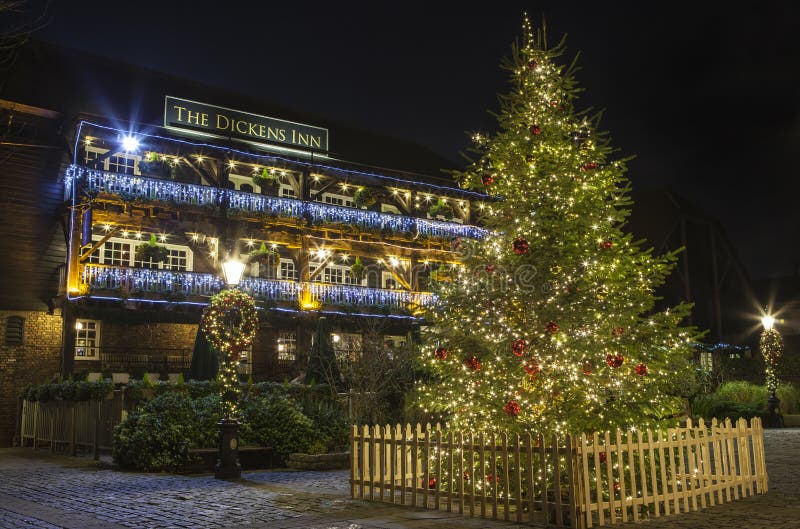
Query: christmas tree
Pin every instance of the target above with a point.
(550, 324)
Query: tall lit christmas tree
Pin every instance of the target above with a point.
(551, 325)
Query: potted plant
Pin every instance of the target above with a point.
(364, 198)
(441, 209)
(357, 269)
(152, 251)
(266, 179)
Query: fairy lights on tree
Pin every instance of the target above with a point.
(551, 324)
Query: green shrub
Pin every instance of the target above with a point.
(278, 422)
(208, 411)
(158, 435)
(68, 390)
(330, 425)
(743, 399)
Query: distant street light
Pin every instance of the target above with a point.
(771, 345)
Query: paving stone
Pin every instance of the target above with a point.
(42, 491)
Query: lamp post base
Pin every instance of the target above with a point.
(774, 419)
(228, 466)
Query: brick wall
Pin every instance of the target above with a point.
(37, 360)
(121, 335)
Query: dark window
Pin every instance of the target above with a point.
(15, 330)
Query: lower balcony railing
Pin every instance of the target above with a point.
(143, 359)
(135, 282)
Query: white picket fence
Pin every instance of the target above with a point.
(569, 481)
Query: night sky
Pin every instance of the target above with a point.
(705, 96)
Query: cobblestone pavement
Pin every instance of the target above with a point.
(42, 491)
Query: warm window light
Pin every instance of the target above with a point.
(130, 144)
(232, 271)
(768, 322)
(78, 325)
(336, 338)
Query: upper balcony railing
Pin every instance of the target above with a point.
(192, 194)
(143, 280)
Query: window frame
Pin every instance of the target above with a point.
(95, 347)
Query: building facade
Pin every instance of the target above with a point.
(118, 227)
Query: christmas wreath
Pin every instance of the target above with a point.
(230, 322)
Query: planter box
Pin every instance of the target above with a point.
(319, 461)
(791, 420)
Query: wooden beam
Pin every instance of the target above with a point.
(400, 279)
(98, 244)
(201, 172)
(320, 268)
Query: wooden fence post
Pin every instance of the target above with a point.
(97, 433)
(36, 409)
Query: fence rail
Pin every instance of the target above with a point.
(569, 481)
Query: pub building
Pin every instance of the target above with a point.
(126, 189)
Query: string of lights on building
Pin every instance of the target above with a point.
(199, 195)
(189, 283)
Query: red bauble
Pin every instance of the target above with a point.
(487, 180)
(535, 130)
(605, 245)
(518, 347)
(440, 353)
(588, 368)
(456, 243)
(551, 327)
(531, 367)
(603, 457)
(617, 331)
(473, 363)
(614, 360)
(512, 408)
(521, 246)
(616, 486)
(554, 103)
(432, 483)
(532, 64)
(641, 370)
(491, 268)
(588, 166)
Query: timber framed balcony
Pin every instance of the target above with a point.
(181, 285)
(183, 194)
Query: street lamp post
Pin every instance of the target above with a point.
(771, 348)
(228, 466)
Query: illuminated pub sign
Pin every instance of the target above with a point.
(227, 123)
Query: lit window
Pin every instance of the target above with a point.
(347, 346)
(87, 339)
(287, 191)
(287, 270)
(388, 281)
(287, 346)
(333, 273)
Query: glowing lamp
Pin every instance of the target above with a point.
(130, 144)
(336, 338)
(232, 271)
(768, 322)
